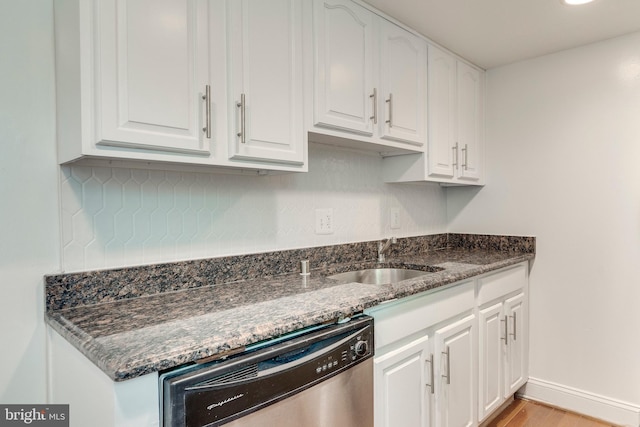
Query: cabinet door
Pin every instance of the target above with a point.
(442, 112)
(492, 346)
(265, 81)
(403, 84)
(152, 59)
(470, 119)
(517, 349)
(456, 358)
(343, 80)
(400, 383)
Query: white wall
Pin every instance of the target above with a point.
(29, 230)
(118, 217)
(563, 163)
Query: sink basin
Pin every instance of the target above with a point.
(378, 276)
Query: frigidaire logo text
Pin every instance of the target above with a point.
(225, 401)
(43, 415)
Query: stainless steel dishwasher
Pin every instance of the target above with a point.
(317, 377)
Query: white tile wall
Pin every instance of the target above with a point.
(123, 217)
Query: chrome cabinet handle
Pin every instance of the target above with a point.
(432, 385)
(242, 106)
(465, 151)
(515, 325)
(390, 102)
(506, 331)
(448, 376)
(374, 97)
(455, 155)
(207, 106)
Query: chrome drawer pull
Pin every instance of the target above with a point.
(374, 97)
(465, 150)
(455, 155)
(430, 362)
(506, 331)
(243, 111)
(448, 376)
(207, 106)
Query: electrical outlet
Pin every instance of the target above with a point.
(395, 218)
(324, 221)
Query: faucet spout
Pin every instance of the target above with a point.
(383, 247)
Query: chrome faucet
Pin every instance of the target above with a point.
(383, 246)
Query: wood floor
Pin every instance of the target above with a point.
(532, 414)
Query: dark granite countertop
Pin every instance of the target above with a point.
(130, 322)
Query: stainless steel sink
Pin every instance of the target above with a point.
(378, 276)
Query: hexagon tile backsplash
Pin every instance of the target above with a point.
(123, 217)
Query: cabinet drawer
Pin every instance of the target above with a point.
(498, 284)
(407, 316)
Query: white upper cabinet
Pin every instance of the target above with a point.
(369, 80)
(131, 76)
(455, 119)
(265, 81)
(403, 84)
(159, 83)
(151, 74)
(470, 122)
(455, 150)
(442, 110)
(343, 85)
(245, 84)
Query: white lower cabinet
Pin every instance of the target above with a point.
(401, 398)
(450, 358)
(425, 363)
(503, 337)
(456, 362)
(517, 344)
(491, 357)
(98, 401)
(429, 382)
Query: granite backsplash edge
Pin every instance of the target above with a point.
(70, 290)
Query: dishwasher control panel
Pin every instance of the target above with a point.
(358, 346)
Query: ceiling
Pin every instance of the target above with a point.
(491, 33)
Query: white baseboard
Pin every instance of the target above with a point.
(582, 402)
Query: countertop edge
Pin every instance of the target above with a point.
(121, 369)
